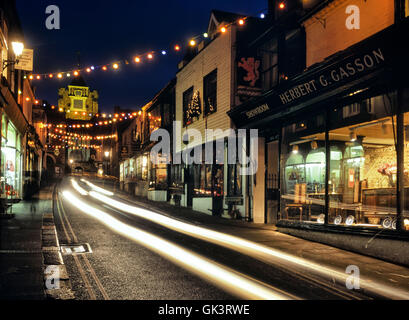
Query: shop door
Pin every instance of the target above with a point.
(272, 183)
(189, 180)
(218, 189)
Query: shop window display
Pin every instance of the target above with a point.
(405, 210)
(11, 161)
(362, 167)
(202, 179)
(159, 177)
(303, 171)
(176, 178)
(234, 188)
(366, 193)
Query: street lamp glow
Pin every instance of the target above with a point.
(18, 48)
(71, 161)
(106, 154)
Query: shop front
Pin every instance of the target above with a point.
(11, 163)
(343, 129)
(158, 179)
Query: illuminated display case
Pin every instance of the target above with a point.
(11, 161)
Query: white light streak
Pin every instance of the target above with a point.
(220, 275)
(98, 189)
(78, 188)
(253, 249)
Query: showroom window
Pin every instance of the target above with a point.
(303, 160)
(362, 169)
(362, 182)
(11, 161)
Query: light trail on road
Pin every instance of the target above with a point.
(250, 248)
(98, 189)
(225, 278)
(77, 187)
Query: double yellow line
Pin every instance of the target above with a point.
(72, 239)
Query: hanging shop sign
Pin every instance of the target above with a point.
(25, 61)
(249, 78)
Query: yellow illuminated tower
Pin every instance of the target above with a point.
(78, 101)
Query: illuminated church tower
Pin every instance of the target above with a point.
(78, 101)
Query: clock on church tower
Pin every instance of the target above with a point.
(78, 101)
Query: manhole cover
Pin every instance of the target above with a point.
(74, 249)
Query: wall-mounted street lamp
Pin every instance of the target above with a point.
(18, 48)
(71, 161)
(106, 154)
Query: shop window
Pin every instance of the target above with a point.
(139, 168)
(159, 177)
(269, 56)
(362, 182)
(187, 101)
(3, 126)
(126, 169)
(210, 93)
(11, 162)
(142, 168)
(202, 179)
(234, 186)
(303, 162)
(176, 178)
(405, 211)
(132, 167)
(121, 172)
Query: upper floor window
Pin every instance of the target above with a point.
(187, 103)
(269, 73)
(210, 93)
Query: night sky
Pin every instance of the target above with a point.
(106, 31)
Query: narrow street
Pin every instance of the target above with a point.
(205, 159)
(122, 267)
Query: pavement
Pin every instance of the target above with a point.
(21, 254)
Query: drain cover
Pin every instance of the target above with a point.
(73, 249)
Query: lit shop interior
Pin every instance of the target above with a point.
(11, 161)
(362, 167)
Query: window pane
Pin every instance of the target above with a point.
(363, 166)
(210, 92)
(303, 171)
(187, 101)
(405, 212)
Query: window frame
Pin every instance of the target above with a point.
(209, 92)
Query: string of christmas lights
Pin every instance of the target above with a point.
(112, 120)
(138, 59)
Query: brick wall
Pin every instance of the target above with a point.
(216, 55)
(322, 41)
